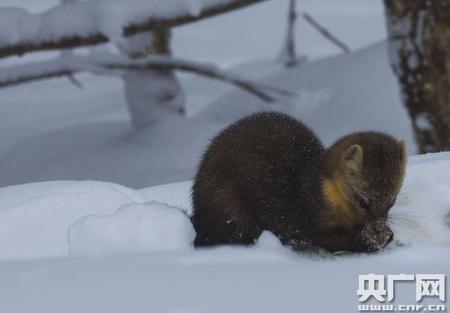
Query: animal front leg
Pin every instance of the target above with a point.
(336, 239)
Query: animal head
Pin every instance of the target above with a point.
(363, 175)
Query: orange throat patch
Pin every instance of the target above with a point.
(335, 198)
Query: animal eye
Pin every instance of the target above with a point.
(363, 204)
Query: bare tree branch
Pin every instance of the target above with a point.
(289, 53)
(110, 64)
(78, 38)
(322, 30)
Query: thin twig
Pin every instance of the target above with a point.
(75, 81)
(290, 53)
(277, 90)
(322, 30)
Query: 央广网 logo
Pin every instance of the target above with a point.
(382, 289)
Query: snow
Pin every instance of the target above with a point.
(24, 22)
(357, 22)
(62, 132)
(34, 218)
(194, 7)
(139, 258)
(82, 19)
(174, 194)
(58, 219)
(235, 280)
(423, 122)
(267, 240)
(132, 228)
(336, 96)
(422, 208)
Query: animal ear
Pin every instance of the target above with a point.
(352, 160)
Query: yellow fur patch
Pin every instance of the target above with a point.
(334, 195)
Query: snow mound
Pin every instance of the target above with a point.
(174, 194)
(34, 218)
(268, 240)
(133, 228)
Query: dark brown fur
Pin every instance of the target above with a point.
(268, 171)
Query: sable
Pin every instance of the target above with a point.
(270, 172)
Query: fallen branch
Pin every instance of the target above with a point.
(110, 64)
(82, 27)
(322, 30)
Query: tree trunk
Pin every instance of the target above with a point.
(151, 95)
(419, 47)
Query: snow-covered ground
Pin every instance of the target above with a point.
(87, 135)
(120, 250)
(51, 130)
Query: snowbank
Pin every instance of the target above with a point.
(175, 194)
(132, 228)
(34, 218)
(421, 213)
(59, 219)
(336, 96)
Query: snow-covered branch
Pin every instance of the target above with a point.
(108, 64)
(83, 23)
